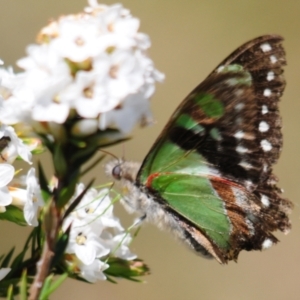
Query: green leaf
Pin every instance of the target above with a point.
(45, 288)
(10, 293)
(68, 191)
(81, 156)
(13, 214)
(59, 161)
(60, 247)
(18, 259)
(128, 269)
(46, 142)
(106, 138)
(50, 286)
(23, 287)
(7, 258)
(37, 237)
(46, 193)
(5, 286)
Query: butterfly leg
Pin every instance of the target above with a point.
(139, 221)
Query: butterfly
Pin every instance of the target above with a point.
(208, 178)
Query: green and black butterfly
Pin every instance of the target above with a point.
(208, 178)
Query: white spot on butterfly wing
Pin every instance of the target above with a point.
(220, 69)
(239, 106)
(270, 76)
(239, 134)
(241, 149)
(239, 92)
(273, 59)
(245, 165)
(266, 145)
(238, 121)
(267, 243)
(264, 109)
(265, 47)
(248, 184)
(265, 200)
(267, 92)
(263, 126)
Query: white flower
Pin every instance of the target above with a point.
(118, 244)
(96, 207)
(95, 231)
(93, 271)
(34, 198)
(46, 75)
(29, 198)
(85, 127)
(15, 146)
(6, 175)
(91, 64)
(84, 241)
(4, 272)
(78, 39)
(134, 109)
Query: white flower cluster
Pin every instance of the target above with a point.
(30, 199)
(93, 64)
(95, 232)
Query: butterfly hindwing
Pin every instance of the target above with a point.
(227, 133)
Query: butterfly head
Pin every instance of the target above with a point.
(122, 170)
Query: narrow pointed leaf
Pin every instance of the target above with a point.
(59, 161)
(53, 286)
(60, 247)
(44, 292)
(7, 258)
(10, 293)
(43, 183)
(83, 155)
(23, 287)
(67, 192)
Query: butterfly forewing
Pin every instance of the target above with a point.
(228, 130)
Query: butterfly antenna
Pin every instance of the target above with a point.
(123, 148)
(109, 153)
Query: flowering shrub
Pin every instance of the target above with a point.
(85, 84)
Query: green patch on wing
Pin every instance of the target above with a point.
(187, 122)
(183, 183)
(168, 157)
(193, 197)
(245, 77)
(232, 68)
(212, 107)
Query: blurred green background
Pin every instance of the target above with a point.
(189, 38)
